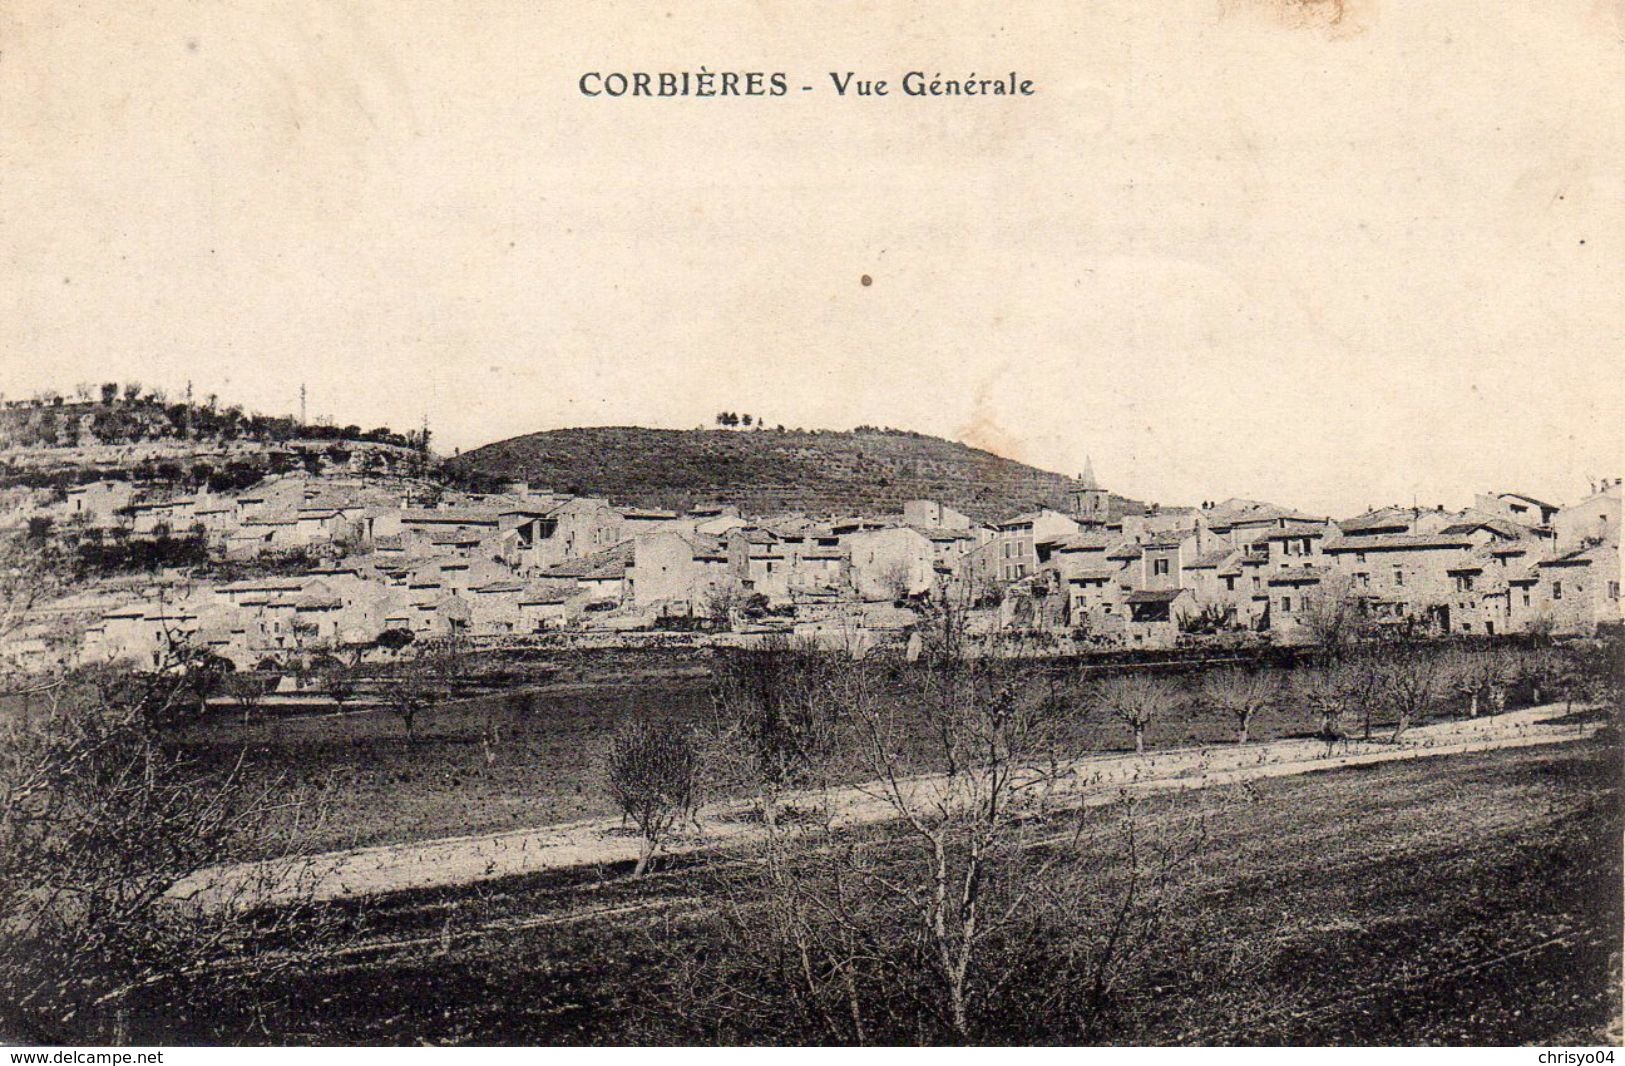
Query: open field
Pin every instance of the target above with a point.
(1470, 899)
(544, 768)
(373, 787)
(1091, 781)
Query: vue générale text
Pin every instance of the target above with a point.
(732, 83)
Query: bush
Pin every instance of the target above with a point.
(651, 772)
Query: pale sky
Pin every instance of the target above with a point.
(1223, 250)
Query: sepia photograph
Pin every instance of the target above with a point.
(529, 523)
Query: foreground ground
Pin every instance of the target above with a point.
(1466, 899)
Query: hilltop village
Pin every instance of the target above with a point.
(361, 548)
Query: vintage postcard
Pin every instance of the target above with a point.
(530, 522)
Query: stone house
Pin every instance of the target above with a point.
(887, 564)
(1594, 520)
(1403, 575)
(1153, 619)
(1017, 539)
(929, 514)
(1579, 590)
(677, 572)
(1515, 506)
(100, 501)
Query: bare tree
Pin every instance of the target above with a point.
(340, 680)
(895, 579)
(721, 601)
(490, 731)
(938, 925)
(1407, 682)
(1135, 700)
(651, 773)
(1545, 670)
(32, 572)
(247, 689)
(1338, 693)
(412, 686)
(100, 817)
(1241, 694)
(1481, 677)
(773, 718)
(203, 676)
(408, 693)
(1333, 615)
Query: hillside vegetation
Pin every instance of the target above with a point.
(50, 420)
(49, 441)
(768, 471)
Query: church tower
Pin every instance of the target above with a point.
(1090, 502)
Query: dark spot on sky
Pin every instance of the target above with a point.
(191, 44)
(867, 281)
(67, 281)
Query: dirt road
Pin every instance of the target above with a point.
(1091, 781)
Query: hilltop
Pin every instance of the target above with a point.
(767, 471)
(49, 440)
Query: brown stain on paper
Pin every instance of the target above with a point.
(1334, 18)
(984, 431)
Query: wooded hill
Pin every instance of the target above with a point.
(769, 471)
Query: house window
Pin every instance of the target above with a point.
(1359, 557)
(1526, 598)
(1613, 590)
(1464, 582)
(1399, 576)
(1286, 604)
(1256, 581)
(1230, 585)
(1557, 590)
(1364, 580)
(1159, 567)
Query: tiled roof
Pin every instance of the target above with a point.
(1248, 512)
(451, 537)
(465, 516)
(1079, 542)
(1293, 534)
(535, 595)
(1301, 575)
(1582, 556)
(1210, 559)
(611, 562)
(1381, 518)
(1154, 596)
(1397, 541)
